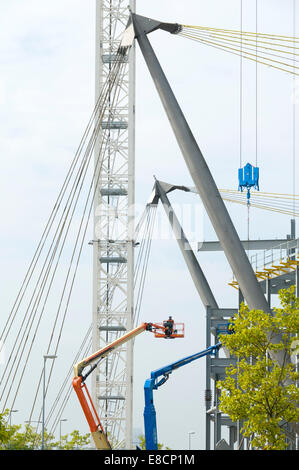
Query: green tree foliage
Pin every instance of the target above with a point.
(142, 443)
(4, 434)
(13, 438)
(259, 392)
(75, 441)
(30, 439)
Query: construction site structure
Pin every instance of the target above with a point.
(220, 431)
(113, 249)
(113, 244)
(279, 269)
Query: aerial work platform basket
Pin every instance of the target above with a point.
(169, 329)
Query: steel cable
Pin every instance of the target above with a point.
(96, 172)
(47, 229)
(32, 317)
(67, 381)
(90, 149)
(248, 45)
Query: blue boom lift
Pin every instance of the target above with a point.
(150, 423)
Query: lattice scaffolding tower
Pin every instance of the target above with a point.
(113, 244)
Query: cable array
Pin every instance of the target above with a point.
(277, 202)
(70, 218)
(277, 51)
(60, 246)
(66, 388)
(143, 257)
(282, 203)
(143, 239)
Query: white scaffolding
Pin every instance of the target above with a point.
(113, 245)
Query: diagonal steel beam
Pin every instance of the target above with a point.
(202, 176)
(194, 268)
(205, 183)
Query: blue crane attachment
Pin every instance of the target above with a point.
(248, 178)
(158, 378)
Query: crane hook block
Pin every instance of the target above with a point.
(248, 178)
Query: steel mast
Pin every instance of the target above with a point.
(113, 259)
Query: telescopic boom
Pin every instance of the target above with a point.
(168, 329)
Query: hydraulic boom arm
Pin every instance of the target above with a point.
(166, 329)
(150, 423)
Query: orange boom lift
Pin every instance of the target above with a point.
(168, 329)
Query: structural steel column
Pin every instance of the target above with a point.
(208, 391)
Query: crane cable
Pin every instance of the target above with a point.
(56, 246)
(81, 173)
(283, 203)
(66, 387)
(277, 202)
(143, 237)
(146, 242)
(9, 323)
(252, 46)
(69, 391)
(93, 184)
(49, 224)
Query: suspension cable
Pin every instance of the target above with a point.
(92, 185)
(88, 152)
(252, 46)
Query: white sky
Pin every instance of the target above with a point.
(46, 97)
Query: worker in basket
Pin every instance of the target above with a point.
(168, 325)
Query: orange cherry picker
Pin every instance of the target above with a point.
(168, 329)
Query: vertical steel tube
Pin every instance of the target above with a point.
(208, 393)
(268, 291)
(130, 247)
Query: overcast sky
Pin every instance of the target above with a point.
(47, 52)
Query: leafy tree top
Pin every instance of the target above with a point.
(258, 391)
(12, 437)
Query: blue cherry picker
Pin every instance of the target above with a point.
(150, 423)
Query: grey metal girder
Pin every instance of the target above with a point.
(195, 270)
(204, 182)
(248, 245)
